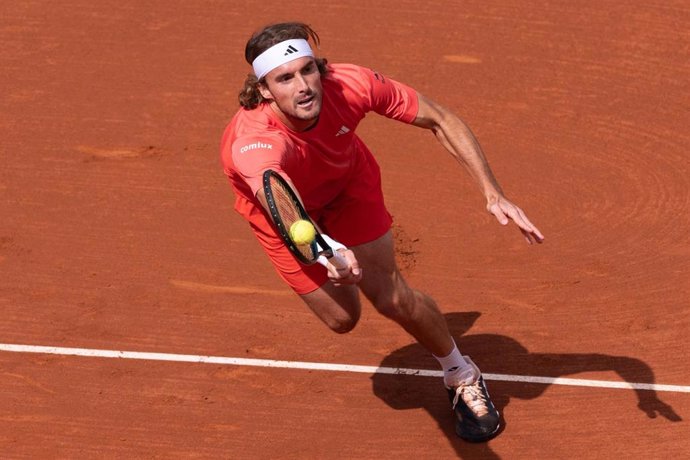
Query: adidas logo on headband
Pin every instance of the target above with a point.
(278, 55)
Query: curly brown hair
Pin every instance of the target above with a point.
(249, 96)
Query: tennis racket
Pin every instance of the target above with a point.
(286, 208)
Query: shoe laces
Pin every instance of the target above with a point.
(473, 397)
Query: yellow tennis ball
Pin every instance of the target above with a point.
(302, 232)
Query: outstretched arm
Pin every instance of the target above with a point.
(458, 139)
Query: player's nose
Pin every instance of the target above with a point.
(301, 83)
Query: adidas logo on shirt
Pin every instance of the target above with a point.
(343, 130)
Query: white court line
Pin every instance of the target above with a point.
(86, 352)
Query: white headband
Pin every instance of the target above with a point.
(279, 54)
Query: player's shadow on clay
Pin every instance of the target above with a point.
(500, 354)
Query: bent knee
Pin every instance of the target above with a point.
(342, 324)
(337, 308)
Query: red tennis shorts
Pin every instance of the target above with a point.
(358, 215)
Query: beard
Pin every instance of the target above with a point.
(307, 108)
(302, 114)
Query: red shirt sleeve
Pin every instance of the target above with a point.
(253, 154)
(391, 98)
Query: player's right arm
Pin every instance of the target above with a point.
(350, 274)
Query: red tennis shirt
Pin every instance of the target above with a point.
(318, 161)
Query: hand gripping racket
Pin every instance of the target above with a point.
(286, 208)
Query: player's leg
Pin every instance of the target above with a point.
(358, 218)
(385, 287)
(476, 417)
(338, 307)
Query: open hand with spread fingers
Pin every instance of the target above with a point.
(505, 211)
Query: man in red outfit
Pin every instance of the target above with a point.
(298, 117)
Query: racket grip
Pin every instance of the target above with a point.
(338, 260)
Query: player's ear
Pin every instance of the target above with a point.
(263, 90)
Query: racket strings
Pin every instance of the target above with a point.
(289, 213)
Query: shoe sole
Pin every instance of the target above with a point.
(477, 439)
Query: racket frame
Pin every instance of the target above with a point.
(283, 231)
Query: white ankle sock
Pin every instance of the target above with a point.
(455, 369)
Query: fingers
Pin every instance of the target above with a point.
(531, 237)
(350, 274)
(531, 232)
(498, 212)
(504, 211)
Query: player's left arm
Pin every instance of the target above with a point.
(458, 139)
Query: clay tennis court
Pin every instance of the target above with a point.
(140, 319)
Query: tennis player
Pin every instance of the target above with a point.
(298, 116)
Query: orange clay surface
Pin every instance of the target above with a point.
(117, 233)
